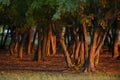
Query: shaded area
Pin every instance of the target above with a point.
(54, 63)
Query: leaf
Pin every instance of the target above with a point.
(5, 2)
(102, 23)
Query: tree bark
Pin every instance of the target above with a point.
(33, 42)
(38, 55)
(53, 42)
(86, 62)
(99, 47)
(116, 52)
(81, 55)
(85, 40)
(66, 54)
(21, 45)
(29, 41)
(77, 52)
(2, 37)
(48, 43)
(92, 52)
(44, 42)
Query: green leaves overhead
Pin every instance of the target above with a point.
(33, 12)
(65, 6)
(41, 11)
(4, 2)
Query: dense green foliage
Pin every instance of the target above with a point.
(40, 11)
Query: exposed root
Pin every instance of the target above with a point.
(73, 68)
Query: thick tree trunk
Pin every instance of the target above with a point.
(12, 43)
(81, 55)
(85, 40)
(53, 42)
(66, 53)
(33, 42)
(29, 42)
(86, 62)
(16, 47)
(48, 42)
(116, 52)
(100, 43)
(92, 52)
(20, 54)
(38, 56)
(77, 52)
(44, 43)
(21, 45)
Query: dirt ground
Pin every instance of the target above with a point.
(54, 63)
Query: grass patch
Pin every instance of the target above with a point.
(56, 76)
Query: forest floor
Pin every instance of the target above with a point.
(56, 63)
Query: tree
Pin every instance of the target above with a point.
(42, 12)
(95, 15)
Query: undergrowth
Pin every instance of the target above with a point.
(19, 75)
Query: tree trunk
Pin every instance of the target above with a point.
(92, 52)
(81, 55)
(21, 45)
(100, 43)
(2, 37)
(44, 43)
(77, 52)
(29, 41)
(48, 43)
(20, 54)
(85, 40)
(53, 42)
(116, 52)
(37, 56)
(86, 63)
(33, 42)
(16, 47)
(6, 36)
(66, 53)
(11, 48)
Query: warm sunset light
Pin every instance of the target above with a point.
(59, 39)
